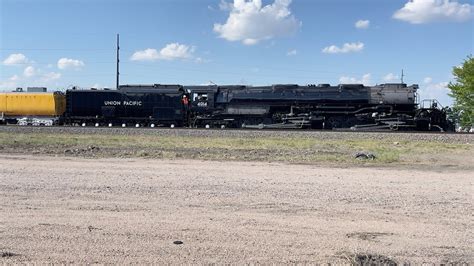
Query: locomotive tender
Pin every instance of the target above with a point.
(386, 106)
(139, 105)
(31, 108)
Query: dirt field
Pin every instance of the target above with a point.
(78, 210)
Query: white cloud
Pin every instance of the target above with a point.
(292, 53)
(10, 83)
(15, 59)
(346, 48)
(362, 24)
(390, 77)
(171, 51)
(366, 80)
(51, 76)
(426, 11)
(29, 71)
(177, 51)
(438, 91)
(14, 78)
(67, 63)
(145, 55)
(250, 22)
(225, 6)
(427, 80)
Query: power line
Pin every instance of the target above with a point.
(54, 49)
(246, 69)
(71, 75)
(45, 64)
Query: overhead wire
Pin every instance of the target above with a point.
(56, 49)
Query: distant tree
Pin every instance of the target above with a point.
(462, 90)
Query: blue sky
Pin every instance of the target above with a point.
(57, 43)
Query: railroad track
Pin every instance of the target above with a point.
(449, 137)
(240, 129)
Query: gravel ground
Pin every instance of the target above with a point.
(76, 210)
(395, 136)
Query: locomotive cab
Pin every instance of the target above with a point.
(203, 97)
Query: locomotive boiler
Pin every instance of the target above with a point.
(314, 106)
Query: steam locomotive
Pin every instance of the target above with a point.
(289, 106)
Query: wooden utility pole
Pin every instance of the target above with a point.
(118, 63)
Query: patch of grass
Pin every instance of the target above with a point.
(293, 150)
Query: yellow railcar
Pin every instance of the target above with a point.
(28, 104)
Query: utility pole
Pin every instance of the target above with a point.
(118, 63)
(402, 76)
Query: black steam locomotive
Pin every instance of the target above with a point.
(386, 106)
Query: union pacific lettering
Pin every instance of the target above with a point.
(113, 103)
(132, 103)
(125, 103)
